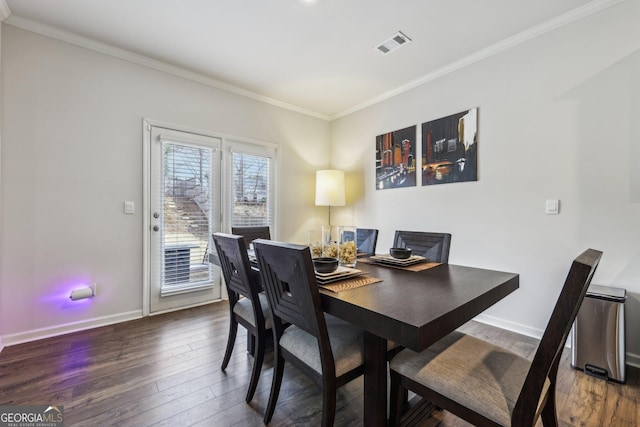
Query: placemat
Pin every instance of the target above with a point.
(344, 285)
(414, 267)
(419, 267)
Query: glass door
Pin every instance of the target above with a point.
(184, 210)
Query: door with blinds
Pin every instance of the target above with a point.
(184, 210)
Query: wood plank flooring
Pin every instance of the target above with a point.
(165, 370)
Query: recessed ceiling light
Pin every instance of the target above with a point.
(392, 43)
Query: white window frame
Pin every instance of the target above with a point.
(258, 148)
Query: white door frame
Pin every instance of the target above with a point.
(146, 206)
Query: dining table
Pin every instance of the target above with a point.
(414, 309)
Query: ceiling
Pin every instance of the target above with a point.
(317, 57)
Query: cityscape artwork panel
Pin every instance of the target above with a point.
(450, 149)
(396, 159)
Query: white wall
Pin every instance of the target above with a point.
(72, 153)
(557, 119)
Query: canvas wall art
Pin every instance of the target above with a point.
(396, 159)
(450, 149)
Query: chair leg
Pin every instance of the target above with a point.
(278, 371)
(396, 400)
(405, 399)
(233, 329)
(258, 358)
(251, 344)
(328, 403)
(549, 417)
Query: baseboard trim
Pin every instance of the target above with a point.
(632, 359)
(38, 334)
(510, 326)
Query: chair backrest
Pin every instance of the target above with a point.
(252, 233)
(547, 357)
(236, 270)
(290, 283)
(433, 246)
(366, 240)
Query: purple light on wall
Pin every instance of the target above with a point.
(62, 292)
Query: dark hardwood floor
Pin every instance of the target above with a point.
(165, 370)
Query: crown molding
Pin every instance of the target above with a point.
(520, 38)
(4, 10)
(104, 48)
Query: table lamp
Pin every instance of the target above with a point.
(330, 189)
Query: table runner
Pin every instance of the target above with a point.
(347, 284)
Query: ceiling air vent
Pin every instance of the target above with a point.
(394, 42)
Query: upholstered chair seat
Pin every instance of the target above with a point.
(346, 344)
(484, 377)
(244, 309)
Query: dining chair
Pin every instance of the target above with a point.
(433, 246)
(252, 233)
(325, 348)
(247, 305)
(366, 240)
(488, 385)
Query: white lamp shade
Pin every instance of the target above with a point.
(330, 188)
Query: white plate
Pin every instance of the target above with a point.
(340, 274)
(340, 271)
(388, 259)
(336, 279)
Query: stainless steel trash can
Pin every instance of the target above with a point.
(598, 338)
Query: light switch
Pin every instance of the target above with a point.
(129, 207)
(552, 207)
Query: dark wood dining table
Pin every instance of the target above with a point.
(414, 310)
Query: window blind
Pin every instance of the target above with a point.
(188, 207)
(251, 192)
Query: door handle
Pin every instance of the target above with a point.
(156, 228)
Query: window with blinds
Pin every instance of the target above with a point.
(187, 205)
(252, 189)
